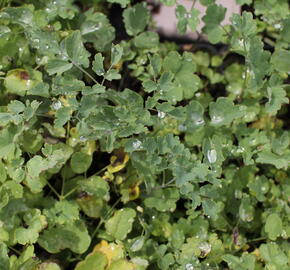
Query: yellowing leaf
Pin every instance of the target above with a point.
(112, 251)
(134, 192)
(96, 260)
(19, 81)
(118, 162)
(121, 265)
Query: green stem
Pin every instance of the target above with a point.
(14, 250)
(193, 4)
(104, 76)
(54, 191)
(100, 171)
(228, 34)
(103, 220)
(163, 178)
(62, 186)
(257, 239)
(44, 115)
(246, 71)
(69, 193)
(85, 72)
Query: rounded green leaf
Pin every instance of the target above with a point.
(273, 226)
(136, 18)
(80, 162)
(73, 236)
(121, 223)
(147, 40)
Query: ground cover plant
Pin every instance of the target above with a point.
(120, 149)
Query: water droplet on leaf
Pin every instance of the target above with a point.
(217, 119)
(137, 144)
(56, 105)
(205, 248)
(189, 266)
(83, 138)
(182, 128)
(161, 114)
(212, 155)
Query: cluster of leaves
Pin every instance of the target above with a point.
(133, 153)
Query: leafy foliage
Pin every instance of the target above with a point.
(121, 150)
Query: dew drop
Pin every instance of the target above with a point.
(240, 149)
(264, 189)
(83, 138)
(161, 114)
(137, 144)
(182, 128)
(217, 119)
(212, 155)
(205, 248)
(142, 61)
(189, 266)
(28, 83)
(197, 119)
(246, 216)
(199, 122)
(96, 27)
(56, 105)
(238, 194)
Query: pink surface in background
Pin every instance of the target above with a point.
(166, 20)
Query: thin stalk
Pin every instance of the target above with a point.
(85, 72)
(69, 193)
(67, 130)
(193, 4)
(163, 178)
(62, 186)
(103, 220)
(246, 71)
(257, 239)
(44, 115)
(14, 250)
(100, 171)
(54, 191)
(104, 76)
(226, 31)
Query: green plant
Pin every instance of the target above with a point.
(132, 153)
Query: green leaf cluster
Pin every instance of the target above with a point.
(123, 149)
